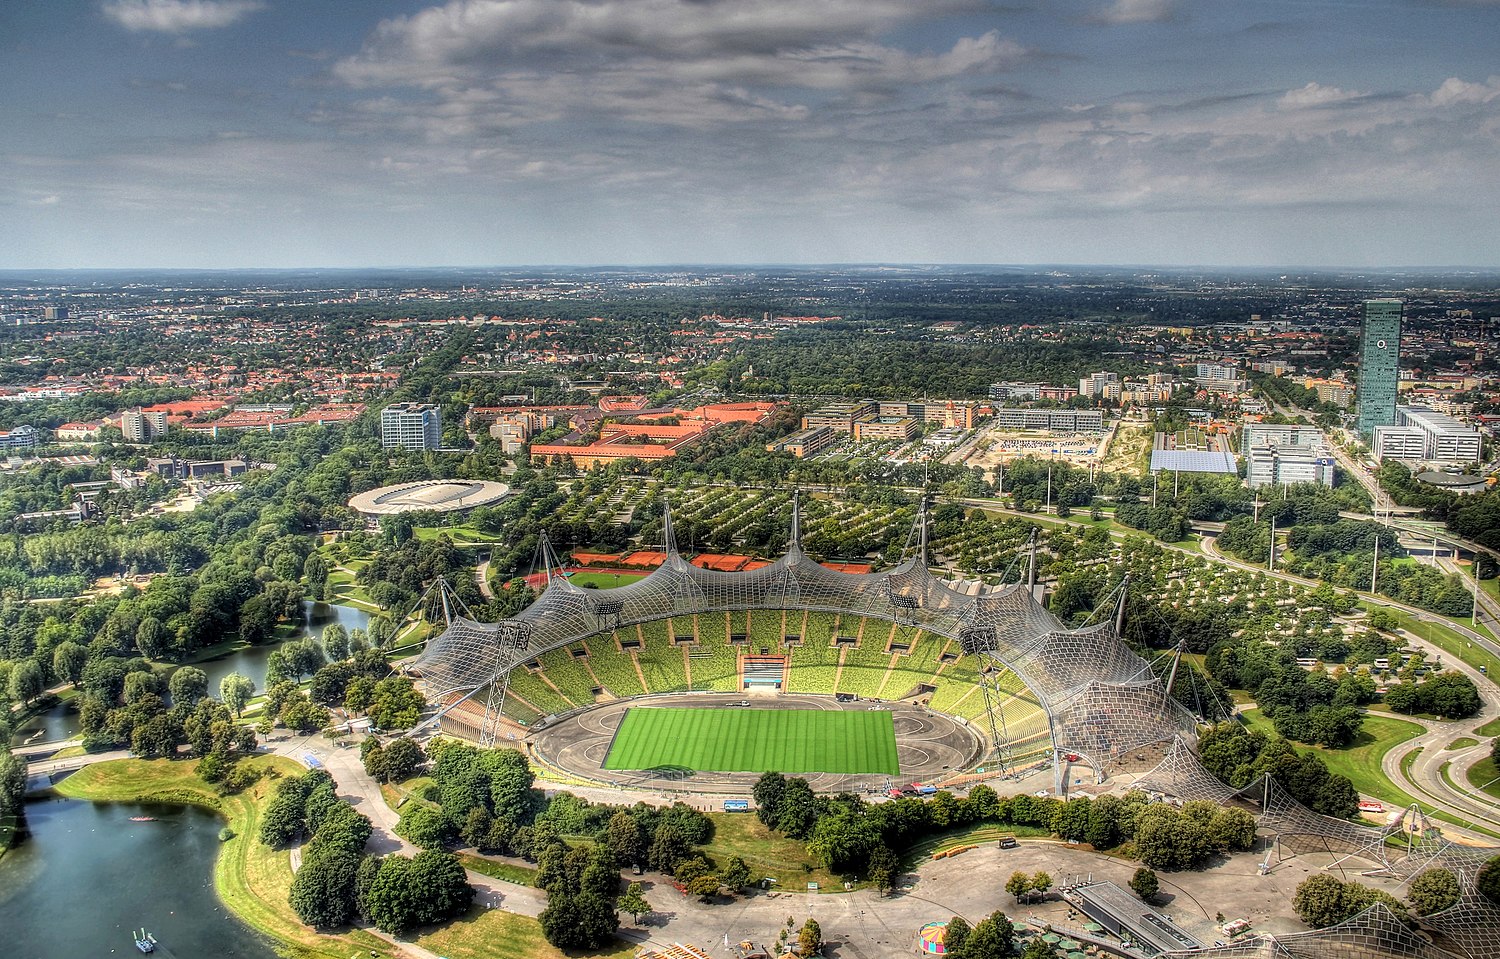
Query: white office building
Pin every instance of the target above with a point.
(1423, 434)
(411, 426)
(1276, 455)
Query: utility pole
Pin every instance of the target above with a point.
(1375, 566)
(1271, 562)
(1049, 489)
(1256, 516)
(1155, 482)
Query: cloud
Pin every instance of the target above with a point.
(1137, 11)
(1456, 91)
(178, 16)
(1315, 95)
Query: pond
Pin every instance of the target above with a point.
(86, 874)
(61, 721)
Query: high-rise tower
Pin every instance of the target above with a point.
(1379, 364)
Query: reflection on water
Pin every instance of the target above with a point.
(61, 721)
(86, 874)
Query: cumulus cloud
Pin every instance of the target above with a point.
(1137, 11)
(1455, 91)
(178, 16)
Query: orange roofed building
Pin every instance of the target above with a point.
(651, 441)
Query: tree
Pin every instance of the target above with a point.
(1018, 885)
(1319, 901)
(235, 690)
(956, 936)
(1040, 883)
(188, 685)
(150, 637)
(809, 938)
(736, 875)
(1488, 881)
(336, 642)
(26, 681)
(1432, 890)
(767, 795)
(423, 826)
(704, 886)
(1145, 884)
(624, 838)
(397, 703)
(634, 903)
(69, 658)
(991, 938)
(668, 848)
(581, 922)
(322, 892)
(885, 865)
(402, 758)
(305, 716)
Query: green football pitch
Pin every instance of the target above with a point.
(730, 739)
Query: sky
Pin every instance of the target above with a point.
(347, 133)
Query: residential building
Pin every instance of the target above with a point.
(839, 416)
(143, 426)
(1277, 455)
(24, 437)
(411, 426)
(1379, 364)
(901, 428)
(1100, 385)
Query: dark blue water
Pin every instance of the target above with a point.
(85, 875)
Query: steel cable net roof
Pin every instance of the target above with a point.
(1376, 933)
(1106, 697)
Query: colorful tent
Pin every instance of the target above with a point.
(930, 938)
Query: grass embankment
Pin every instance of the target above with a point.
(1361, 761)
(491, 934)
(508, 871)
(253, 880)
(1485, 777)
(250, 878)
(1446, 639)
(767, 854)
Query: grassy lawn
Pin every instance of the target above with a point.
(460, 535)
(766, 853)
(492, 934)
(1484, 774)
(1450, 642)
(970, 835)
(1361, 761)
(756, 740)
(509, 871)
(250, 878)
(603, 580)
(1491, 728)
(1462, 742)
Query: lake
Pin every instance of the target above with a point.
(61, 721)
(84, 875)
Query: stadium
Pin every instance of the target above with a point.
(441, 496)
(693, 679)
(974, 680)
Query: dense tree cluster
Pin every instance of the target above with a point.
(1450, 695)
(1239, 756)
(1323, 900)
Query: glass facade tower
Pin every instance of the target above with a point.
(1379, 364)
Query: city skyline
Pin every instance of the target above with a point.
(263, 134)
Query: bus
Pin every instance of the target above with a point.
(736, 805)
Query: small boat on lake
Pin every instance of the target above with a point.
(144, 941)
